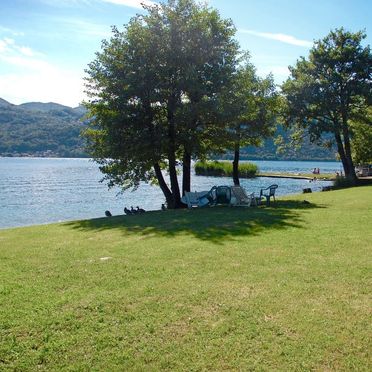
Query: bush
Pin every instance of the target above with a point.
(224, 169)
(343, 182)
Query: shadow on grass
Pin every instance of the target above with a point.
(213, 224)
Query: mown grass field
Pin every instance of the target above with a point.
(286, 287)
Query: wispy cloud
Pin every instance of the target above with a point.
(37, 79)
(9, 48)
(288, 39)
(66, 3)
(81, 27)
(280, 73)
(131, 3)
(6, 30)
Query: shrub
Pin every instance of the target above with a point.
(343, 182)
(224, 169)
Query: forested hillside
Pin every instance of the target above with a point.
(269, 150)
(41, 129)
(51, 129)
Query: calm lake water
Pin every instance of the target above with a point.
(41, 190)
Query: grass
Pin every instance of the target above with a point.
(224, 168)
(286, 287)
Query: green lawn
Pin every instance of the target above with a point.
(282, 288)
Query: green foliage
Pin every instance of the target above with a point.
(224, 168)
(153, 92)
(273, 289)
(35, 128)
(41, 129)
(362, 140)
(250, 105)
(272, 149)
(331, 88)
(342, 182)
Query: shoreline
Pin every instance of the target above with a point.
(299, 176)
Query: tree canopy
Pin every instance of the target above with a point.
(328, 90)
(249, 106)
(154, 91)
(362, 139)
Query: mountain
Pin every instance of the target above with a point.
(270, 150)
(44, 107)
(4, 103)
(41, 129)
(51, 129)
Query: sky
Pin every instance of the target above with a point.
(45, 45)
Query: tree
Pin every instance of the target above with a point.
(328, 90)
(153, 91)
(362, 139)
(251, 106)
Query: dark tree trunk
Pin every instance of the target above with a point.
(351, 174)
(172, 162)
(236, 164)
(341, 152)
(345, 156)
(163, 185)
(186, 172)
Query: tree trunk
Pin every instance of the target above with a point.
(341, 152)
(351, 174)
(172, 163)
(236, 164)
(163, 185)
(186, 172)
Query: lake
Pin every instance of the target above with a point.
(44, 190)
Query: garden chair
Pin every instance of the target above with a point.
(241, 197)
(268, 193)
(223, 195)
(196, 199)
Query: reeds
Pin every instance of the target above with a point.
(224, 169)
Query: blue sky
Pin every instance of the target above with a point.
(45, 45)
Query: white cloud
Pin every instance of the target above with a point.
(61, 86)
(66, 3)
(26, 51)
(131, 3)
(288, 39)
(36, 79)
(10, 31)
(5, 44)
(280, 73)
(9, 41)
(9, 47)
(82, 27)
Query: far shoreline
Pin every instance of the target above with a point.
(19, 156)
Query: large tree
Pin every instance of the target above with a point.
(250, 106)
(153, 91)
(329, 89)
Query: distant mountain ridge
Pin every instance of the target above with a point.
(4, 103)
(44, 107)
(41, 129)
(52, 129)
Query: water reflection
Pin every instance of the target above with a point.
(40, 190)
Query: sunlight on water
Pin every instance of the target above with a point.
(40, 190)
